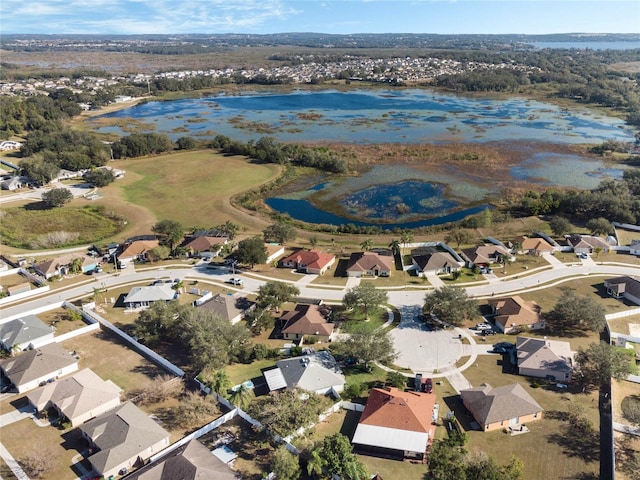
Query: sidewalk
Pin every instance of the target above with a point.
(12, 463)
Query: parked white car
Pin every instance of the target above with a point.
(235, 281)
(483, 326)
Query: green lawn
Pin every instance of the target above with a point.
(548, 450)
(193, 187)
(31, 228)
(241, 372)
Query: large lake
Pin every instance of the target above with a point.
(374, 116)
(393, 196)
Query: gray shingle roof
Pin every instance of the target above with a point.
(121, 434)
(311, 372)
(37, 363)
(490, 405)
(23, 330)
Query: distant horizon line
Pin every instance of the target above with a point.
(590, 34)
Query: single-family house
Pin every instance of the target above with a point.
(205, 246)
(535, 246)
(430, 260)
(396, 424)
(122, 439)
(369, 264)
(11, 183)
(191, 461)
(309, 261)
(587, 244)
(137, 249)
(140, 297)
(7, 145)
(65, 264)
(513, 314)
(542, 358)
(29, 369)
(80, 397)
(307, 320)
(485, 255)
(509, 406)
(624, 287)
(232, 307)
(25, 332)
(634, 247)
(317, 372)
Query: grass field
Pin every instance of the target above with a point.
(28, 228)
(193, 188)
(549, 450)
(102, 352)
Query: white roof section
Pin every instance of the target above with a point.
(391, 438)
(274, 379)
(152, 293)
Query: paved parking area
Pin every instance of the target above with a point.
(424, 351)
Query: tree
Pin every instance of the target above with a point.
(161, 252)
(450, 304)
(406, 237)
(186, 143)
(397, 380)
(76, 265)
(56, 197)
(313, 241)
(273, 294)
(169, 231)
(230, 228)
(337, 458)
(285, 464)
(39, 462)
(178, 286)
(366, 245)
(459, 236)
(573, 312)
(367, 347)
(280, 232)
(599, 226)
(158, 390)
(394, 245)
(242, 396)
(100, 177)
(559, 226)
(446, 461)
(251, 251)
(365, 297)
(600, 362)
(314, 464)
(220, 383)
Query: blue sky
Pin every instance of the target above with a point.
(324, 16)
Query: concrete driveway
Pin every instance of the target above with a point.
(421, 350)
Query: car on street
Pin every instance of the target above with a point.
(235, 281)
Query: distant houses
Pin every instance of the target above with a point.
(65, 264)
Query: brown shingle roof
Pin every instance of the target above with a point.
(305, 320)
(367, 261)
(515, 311)
(313, 259)
(393, 408)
